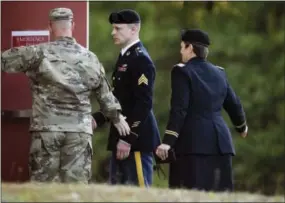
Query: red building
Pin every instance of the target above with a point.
(23, 23)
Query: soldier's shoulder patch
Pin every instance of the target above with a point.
(219, 67)
(138, 51)
(179, 65)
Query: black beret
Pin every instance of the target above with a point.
(195, 36)
(125, 16)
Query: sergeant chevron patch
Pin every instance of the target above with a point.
(142, 80)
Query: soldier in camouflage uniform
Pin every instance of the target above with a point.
(63, 75)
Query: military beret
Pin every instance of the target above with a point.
(60, 14)
(195, 36)
(126, 16)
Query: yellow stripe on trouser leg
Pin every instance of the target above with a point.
(138, 161)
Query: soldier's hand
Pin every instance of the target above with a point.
(123, 149)
(162, 151)
(122, 126)
(244, 134)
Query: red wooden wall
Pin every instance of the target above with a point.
(15, 91)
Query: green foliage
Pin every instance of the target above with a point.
(247, 40)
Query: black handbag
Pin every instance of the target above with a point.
(157, 167)
(171, 157)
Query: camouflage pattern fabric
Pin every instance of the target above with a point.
(60, 14)
(60, 157)
(62, 74)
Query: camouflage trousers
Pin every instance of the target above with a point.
(60, 157)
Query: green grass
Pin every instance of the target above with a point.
(35, 192)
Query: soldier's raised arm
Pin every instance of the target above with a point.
(21, 59)
(110, 108)
(109, 105)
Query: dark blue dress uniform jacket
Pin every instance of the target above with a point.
(200, 90)
(133, 83)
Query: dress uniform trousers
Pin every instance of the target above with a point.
(137, 169)
(202, 172)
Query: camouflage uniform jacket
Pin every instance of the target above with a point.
(62, 74)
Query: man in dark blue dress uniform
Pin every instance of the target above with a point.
(196, 129)
(133, 83)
